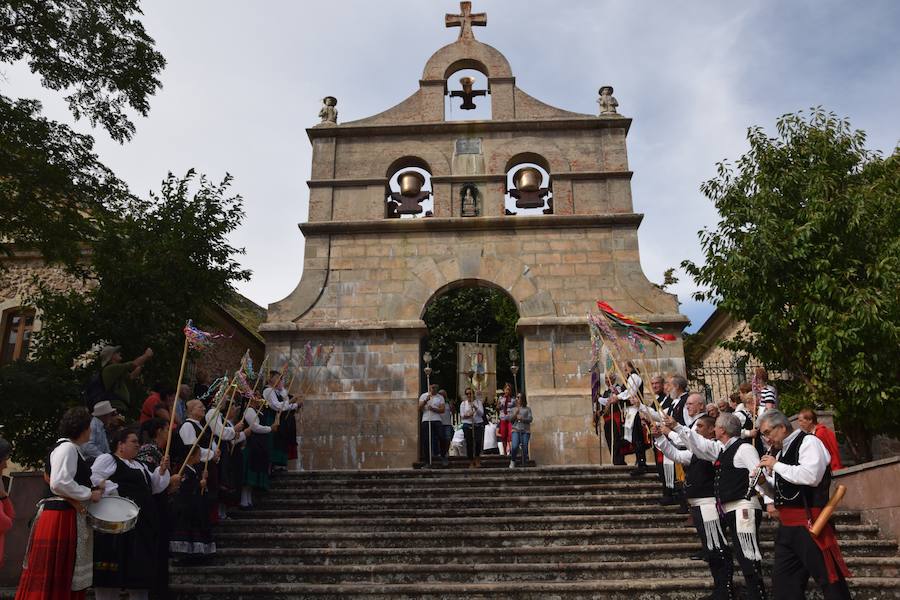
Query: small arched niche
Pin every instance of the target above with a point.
(468, 97)
(408, 189)
(529, 189)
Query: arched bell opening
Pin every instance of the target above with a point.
(468, 97)
(528, 186)
(408, 194)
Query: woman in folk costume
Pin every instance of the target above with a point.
(128, 560)
(611, 413)
(154, 434)
(58, 558)
(191, 538)
(634, 431)
(226, 434)
(257, 455)
(278, 403)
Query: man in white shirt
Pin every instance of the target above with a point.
(700, 491)
(431, 406)
(734, 461)
(799, 480)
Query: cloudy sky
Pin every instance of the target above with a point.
(244, 80)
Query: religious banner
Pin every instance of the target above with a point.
(476, 367)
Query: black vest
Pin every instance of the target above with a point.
(665, 402)
(699, 479)
(731, 482)
(180, 449)
(790, 494)
(678, 408)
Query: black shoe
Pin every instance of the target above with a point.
(698, 556)
(668, 501)
(638, 471)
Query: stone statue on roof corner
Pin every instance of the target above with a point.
(329, 113)
(606, 101)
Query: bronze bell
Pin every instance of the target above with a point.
(411, 183)
(528, 179)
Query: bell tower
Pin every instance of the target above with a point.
(405, 205)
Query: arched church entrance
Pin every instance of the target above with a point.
(471, 341)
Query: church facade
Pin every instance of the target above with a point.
(375, 258)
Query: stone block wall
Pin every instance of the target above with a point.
(360, 411)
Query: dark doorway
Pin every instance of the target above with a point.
(461, 315)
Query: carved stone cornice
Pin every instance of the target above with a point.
(609, 220)
(470, 127)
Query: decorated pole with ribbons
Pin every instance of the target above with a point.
(619, 335)
(215, 417)
(219, 401)
(194, 339)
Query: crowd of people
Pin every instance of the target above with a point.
(504, 428)
(190, 458)
(726, 463)
(184, 464)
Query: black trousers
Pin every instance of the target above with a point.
(720, 566)
(796, 558)
(638, 442)
(756, 589)
(473, 449)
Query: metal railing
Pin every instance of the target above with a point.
(716, 380)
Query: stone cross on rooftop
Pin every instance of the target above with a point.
(466, 20)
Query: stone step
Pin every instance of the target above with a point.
(614, 523)
(373, 505)
(379, 474)
(499, 540)
(526, 489)
(483, 573)
(555, 513)
(354, 522)
(444, 480)
(863, 588)
(490, 462)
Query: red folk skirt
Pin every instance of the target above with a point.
(504, 433)
(51, 559)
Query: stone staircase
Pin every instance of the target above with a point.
(542, 533)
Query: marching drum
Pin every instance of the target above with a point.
(113, 514)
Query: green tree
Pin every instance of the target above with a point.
(54, 193)
(459, 316)
(807, 252)
(35, 395)
(166, 259)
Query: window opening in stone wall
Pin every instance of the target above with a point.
(467, 100)
(409, 190)
(18, 324)
(531, 183)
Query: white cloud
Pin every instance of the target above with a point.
(244, 80)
